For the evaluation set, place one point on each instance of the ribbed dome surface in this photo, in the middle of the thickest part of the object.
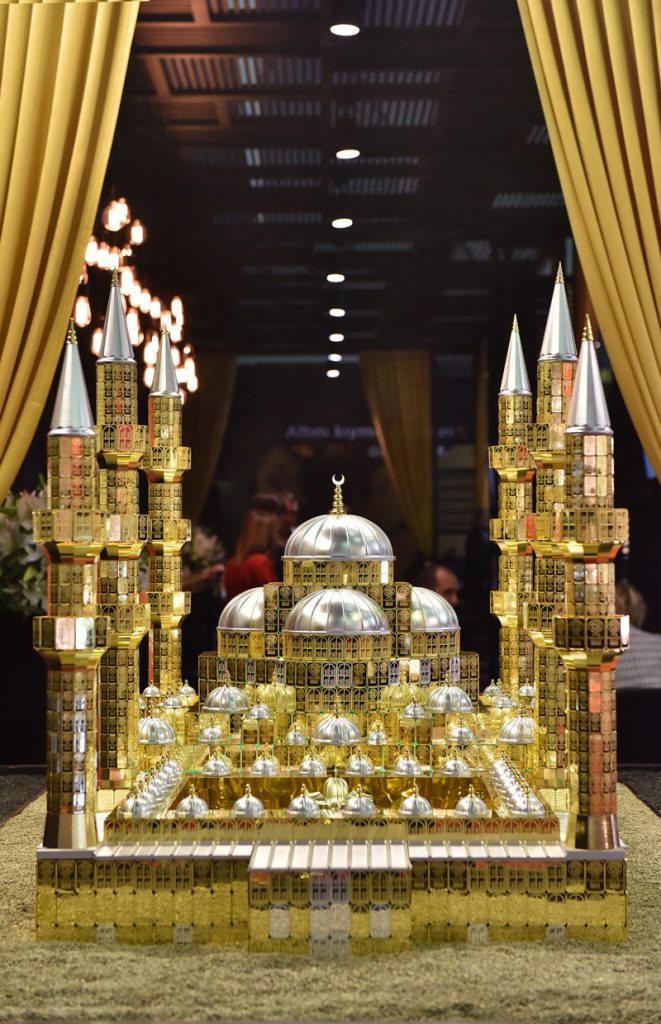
(244, 612)
(431, 613)
(342, 611)
(343, 538)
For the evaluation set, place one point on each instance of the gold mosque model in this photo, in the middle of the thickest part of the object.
(338, 784)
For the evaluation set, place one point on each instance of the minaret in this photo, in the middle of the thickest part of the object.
(512, 530)
(165, 464)
(590, 636)
(121, 446)
(546, 442)
(71, 637)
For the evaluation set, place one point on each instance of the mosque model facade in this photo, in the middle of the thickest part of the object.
(337, 783)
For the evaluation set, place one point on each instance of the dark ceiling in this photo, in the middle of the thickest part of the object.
(232, 113)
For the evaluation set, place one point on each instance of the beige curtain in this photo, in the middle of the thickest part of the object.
(205, 422)
(398, 390)
(62, 69)
(596, 63)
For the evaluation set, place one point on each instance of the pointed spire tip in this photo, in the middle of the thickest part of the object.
(515, 324)
(72, 338)
(559, 277)
(114, 283)
(558, 343)
(515, 379)
(587, 329)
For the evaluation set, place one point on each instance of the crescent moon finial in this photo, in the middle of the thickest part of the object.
(338, 480)
(338, 503)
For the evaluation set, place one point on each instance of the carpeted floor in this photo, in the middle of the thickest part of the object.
(533, 983)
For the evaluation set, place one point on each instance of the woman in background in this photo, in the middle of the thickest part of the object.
(253, 562)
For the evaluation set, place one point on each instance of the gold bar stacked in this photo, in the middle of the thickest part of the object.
(590, 636)
(71, 637)
(546, 442)
(513, 529)
(165, 464)
(122, 442)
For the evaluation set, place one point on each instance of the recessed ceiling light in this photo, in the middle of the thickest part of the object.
(335, 278)
(336, 311)
(334, 357)
(342, 222)
(336, 337)
(347, 154)
(345, 30)
(332, 373)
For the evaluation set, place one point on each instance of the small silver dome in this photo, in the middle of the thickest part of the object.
(415, 712)
(265, 765)
(312, 765)
(192, 806)
(143, 807)
(336, 791)
(431, 613)
(296, 738)
(377, 737)
(337, 730)
(461, 735)
(456, 767)
(155, 731)
(337, 611)
(472, 806)
(125, 809)
(210, 735)
(360, 764)
(171, 702)
(226, 699)
(244, 612)
(258, 713)
(303, 806)
(490, 693)
(248, 806)
(526, 805)
(406, 764)
(151, 692)
(415, 806)
(446, 698)
(527, 690)
(502, 701)
(359, 804)
(217, 766)
(520, 729)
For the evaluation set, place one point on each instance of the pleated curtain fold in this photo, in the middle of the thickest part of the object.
(62, 71)
(398, 390)
(596, 63)
(204, 428)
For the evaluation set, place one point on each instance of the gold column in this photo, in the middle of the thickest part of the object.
(512, 530)
(121, 446)
(165, 464)
(590, 636)
(71, 637)
(546, 442)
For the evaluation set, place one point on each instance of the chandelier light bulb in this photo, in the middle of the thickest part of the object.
(166, 321)
(133, 325)
(187, 350)
(103, 256)
(145, 301)
(176, 355)
(334, 357)
(337, 311)
(335, 278)
(342, 222)
(345, 29)
(135, 295)
(182, 376)
(113, 259)
(148, 375)
(192, 384)
(137, 233)
(182, 395)
(155, 308)
(350, 153)
(332, 373)
(177, 308)
(82, 312)
(151, 350)
(91, 251)
(175, 331)
(97, 338)
(126, 281)
(189, 366)
(336, 337)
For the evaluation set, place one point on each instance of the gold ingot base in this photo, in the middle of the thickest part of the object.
(70, 831)
(592, 832)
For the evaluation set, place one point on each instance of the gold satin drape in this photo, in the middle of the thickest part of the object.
(398, 390)
(205, 423)
(596, 63)
(62, 70)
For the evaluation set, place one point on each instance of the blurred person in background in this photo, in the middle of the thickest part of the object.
(254, 561)
(442, 580)
(640, 665)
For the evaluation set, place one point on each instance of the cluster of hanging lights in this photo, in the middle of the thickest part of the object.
(146, 313)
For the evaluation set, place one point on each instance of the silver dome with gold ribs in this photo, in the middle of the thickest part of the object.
(431, 613)
(244, 612)
(339, 536)
(342, 611)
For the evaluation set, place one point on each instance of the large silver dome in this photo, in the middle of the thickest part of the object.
(431, 613)
(340, 611)
(342, 538)
(244, 612)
